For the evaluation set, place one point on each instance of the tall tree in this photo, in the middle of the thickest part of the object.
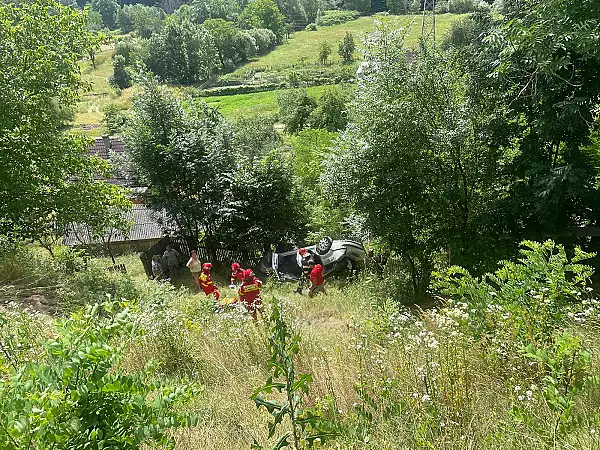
(108, 10)
(184, 156)
(46, 178)
(264, 14)
(182, 53)
(546, 55)
(217, 195)
(413, 160)
(233, 45)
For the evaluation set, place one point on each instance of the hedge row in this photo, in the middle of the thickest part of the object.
(336, 17)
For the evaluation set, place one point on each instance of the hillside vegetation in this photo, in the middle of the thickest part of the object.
(302, 49)
(299, 52)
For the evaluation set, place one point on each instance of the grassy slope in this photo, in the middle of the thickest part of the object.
(346, 338)
(303, 47)
(90, 108)
(263, 103)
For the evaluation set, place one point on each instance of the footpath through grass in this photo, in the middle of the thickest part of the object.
(90, 109)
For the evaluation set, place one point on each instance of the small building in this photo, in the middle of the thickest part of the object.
(147, 226)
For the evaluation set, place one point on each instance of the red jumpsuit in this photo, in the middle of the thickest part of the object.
(206, 283)
(237, 275)
(250, 294)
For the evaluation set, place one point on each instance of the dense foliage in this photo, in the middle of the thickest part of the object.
(185, 155)
(46, 178)
(489, 136)
(78, 395)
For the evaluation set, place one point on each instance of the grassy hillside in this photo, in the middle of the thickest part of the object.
(299, 52)
(387, 377)
(89, 112)
(262, 103)
(302, 49)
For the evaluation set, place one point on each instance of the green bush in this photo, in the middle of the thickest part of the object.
(121, 78)
(525, 302)
(336, 17)
(295, 108)
(94, 282)
(239, 89)
(79, 397)
(311, 27)
(466, 6)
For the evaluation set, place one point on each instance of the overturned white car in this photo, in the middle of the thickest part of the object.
(336, 257)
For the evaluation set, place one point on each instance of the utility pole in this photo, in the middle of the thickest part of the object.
(428, 23)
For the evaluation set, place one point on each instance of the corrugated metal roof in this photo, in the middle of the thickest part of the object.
(147, 225)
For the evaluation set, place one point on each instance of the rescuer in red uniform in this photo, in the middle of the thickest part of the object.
(316, 279)
(250, 293)
(237, 274)
(206, 281)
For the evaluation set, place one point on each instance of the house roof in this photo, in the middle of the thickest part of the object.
(146, 225)
(107, 147)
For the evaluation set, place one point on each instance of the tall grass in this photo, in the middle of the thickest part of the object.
(389, 377)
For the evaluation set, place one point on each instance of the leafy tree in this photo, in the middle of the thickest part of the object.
(542, 94)
(255, 137)
(216, 195)
(232, 44)
(94, 21)
(114, 118)
(184, 156)
(182, 53)
(46, 178)
(120, 78)
(202, 10)
(261, 185)
(147, 20)
(295, 108)
(362, 6)
(264, 39)
(95, 26)
(398, 6)
(108, 10)
(312, 9)
(347, 47)
(331, 112)
(130, 49)
(324, 52)
(413, 162)
(263, 14)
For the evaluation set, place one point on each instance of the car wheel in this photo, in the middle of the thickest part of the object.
(324, 245)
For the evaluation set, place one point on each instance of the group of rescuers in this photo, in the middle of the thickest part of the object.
(247, 283)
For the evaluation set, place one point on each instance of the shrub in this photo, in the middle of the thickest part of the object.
(330, 113)
(94, 282)
(240, 89)
(264, 38)
(523, 302)
(120, 78)
(295, 108)
(130, 49)
(114, 118)
(79, 396)
(336, 17)
(324, 52)
(311, 27)
(347, 47)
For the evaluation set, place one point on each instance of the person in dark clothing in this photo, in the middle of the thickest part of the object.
(303, 258)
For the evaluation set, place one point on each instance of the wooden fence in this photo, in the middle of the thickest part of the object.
(183, 246)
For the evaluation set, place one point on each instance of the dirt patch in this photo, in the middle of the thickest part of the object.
(39, 302)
